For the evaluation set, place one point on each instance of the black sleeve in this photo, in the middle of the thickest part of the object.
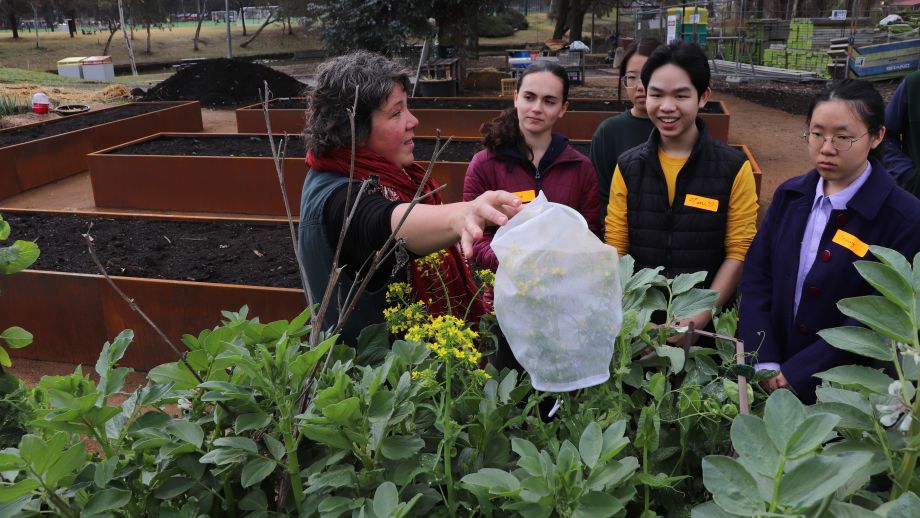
(368, 231)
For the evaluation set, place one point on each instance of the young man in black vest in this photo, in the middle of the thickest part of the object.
(683, 200)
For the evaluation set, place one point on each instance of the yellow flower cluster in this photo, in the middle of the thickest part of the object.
(431, 262)
(399, 291)
(447, 335)
(402, 318)
(486, 277)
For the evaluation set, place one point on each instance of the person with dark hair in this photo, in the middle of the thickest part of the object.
(384, 129)
(524, 156)
(628, 129)
(801, 261)
(683, 200)
(902, 136)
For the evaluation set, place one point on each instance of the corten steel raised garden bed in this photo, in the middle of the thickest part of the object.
(463, 116)
(196, 172)
(36, 154)
(71, 314)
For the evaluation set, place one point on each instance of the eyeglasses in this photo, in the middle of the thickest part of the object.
(631, 81)
(840, 142)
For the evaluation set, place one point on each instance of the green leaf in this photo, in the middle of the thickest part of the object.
(239, 443)
(274, 446)
(851, 417)
(595, 504)
(648, 428)
(812, 433)
(710, 510)
(612, 474)
(251, 421)
(176, 373)
(782, 415)
(106, 500)
(692, 302)
(306, 361)
(906, 506)
(255, 500)
(386, 500)
(888, 282)
(16, 337)
(683, 282)
(871, 379)
(335, 505)
(337, 476)
(65, 464)
(858, 340)
(751, 440)
(507, 386)
(732, 487)
(105, 470)
(657, 385)
(845, 510)
(18, 256)
(5, 358)
(495, 480)
(893, 259)
(398, 447)
(591, 444)
(17, 490)
(187, 431)
(658, 481)
(326, 435)
(173, 487)
(675, 355)
(614, 440)
(812, 480)
(256, 469)
(344, 411)
(880, 314)
(4, 230)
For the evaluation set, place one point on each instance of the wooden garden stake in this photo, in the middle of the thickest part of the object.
(744, 406)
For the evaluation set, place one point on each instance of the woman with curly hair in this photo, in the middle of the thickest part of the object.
(384, 129)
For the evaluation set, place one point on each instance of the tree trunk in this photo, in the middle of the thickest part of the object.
(201, 7)
(243, 19)
(562, 18)
(131, 29)
(73, 16)
(14, 23)
(121, 16)
(258, 31)
(290, 28)
(35, 20)
(148, 51)
(108, 42)
(578, 9)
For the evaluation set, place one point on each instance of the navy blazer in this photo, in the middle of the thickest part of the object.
(880, 213)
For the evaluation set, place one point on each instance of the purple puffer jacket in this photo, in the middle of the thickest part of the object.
(566, 177)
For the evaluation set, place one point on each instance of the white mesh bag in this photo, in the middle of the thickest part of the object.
(557, 296)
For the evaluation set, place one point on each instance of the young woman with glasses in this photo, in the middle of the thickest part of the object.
(628, 129)
(801, 261)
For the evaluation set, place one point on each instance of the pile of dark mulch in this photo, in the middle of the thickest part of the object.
(794, 98)
(203, 251)
(224, 82)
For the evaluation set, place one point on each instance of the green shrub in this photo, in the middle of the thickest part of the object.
(515, 18)
(494, 26)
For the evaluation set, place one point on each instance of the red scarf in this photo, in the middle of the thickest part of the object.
(402, 184)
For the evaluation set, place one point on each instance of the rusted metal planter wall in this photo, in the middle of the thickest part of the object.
(72, 315)
(577, 125)
(41, 161)
(250, 119)
(247, 185)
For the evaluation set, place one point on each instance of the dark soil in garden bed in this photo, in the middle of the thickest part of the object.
(224, 82)
(215, 252)
(257, 146)
(794, 98)
(246, 146)
(30, 132)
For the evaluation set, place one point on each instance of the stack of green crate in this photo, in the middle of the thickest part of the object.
(801, 33)
(798, 59)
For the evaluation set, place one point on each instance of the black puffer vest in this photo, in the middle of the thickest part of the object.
(681, 238)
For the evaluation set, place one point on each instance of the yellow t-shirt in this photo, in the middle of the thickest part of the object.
(742, 208)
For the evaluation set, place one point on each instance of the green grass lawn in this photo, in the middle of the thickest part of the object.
(18, 75)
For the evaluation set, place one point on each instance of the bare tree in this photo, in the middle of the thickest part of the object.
(202, 5)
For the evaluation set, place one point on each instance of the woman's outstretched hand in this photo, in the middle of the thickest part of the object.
(489, 208)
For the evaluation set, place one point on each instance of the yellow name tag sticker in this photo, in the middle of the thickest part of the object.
(700, 202)
(851, 243)
(526, 196)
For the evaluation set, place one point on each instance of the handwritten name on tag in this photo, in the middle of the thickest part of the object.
(700, 202)
(851, 243)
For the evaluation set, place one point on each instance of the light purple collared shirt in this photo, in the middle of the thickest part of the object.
(817, 221)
